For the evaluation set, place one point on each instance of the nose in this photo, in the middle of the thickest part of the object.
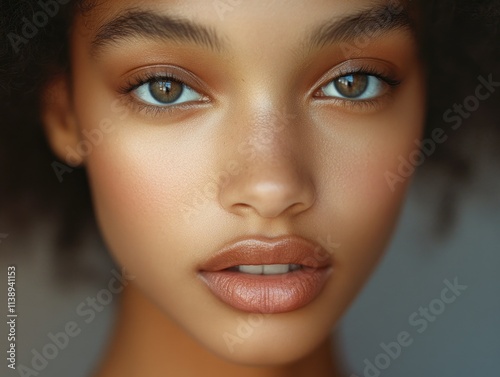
(272, 179)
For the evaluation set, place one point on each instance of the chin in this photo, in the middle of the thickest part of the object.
(274, 345)
(254, 339)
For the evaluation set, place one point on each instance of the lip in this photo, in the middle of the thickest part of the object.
(267, 294)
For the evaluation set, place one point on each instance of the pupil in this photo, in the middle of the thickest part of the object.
(165, 91)
(352, 86)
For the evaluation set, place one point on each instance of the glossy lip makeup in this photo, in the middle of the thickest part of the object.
(270, 276)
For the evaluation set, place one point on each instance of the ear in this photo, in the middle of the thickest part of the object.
(59, 121)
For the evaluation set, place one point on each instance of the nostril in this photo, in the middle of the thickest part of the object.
(269, 191)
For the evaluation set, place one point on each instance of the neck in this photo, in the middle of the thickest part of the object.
(145, 342)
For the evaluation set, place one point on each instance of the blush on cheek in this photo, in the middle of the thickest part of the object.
(131, 193)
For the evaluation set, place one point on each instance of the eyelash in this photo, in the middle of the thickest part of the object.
(387, 78)
(149, 77)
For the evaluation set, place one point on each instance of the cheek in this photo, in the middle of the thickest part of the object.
(139, 181)
(364, 190)
(141, 175)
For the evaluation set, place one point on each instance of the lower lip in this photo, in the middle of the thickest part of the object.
(267, 294)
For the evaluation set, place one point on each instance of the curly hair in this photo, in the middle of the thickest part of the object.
(460, 41)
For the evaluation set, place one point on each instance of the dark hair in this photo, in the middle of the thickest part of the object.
(460, 41)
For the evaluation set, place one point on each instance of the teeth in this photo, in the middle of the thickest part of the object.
(268, 269)
(275, 269)
(251, 269)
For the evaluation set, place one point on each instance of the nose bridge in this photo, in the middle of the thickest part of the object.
(270, 136)
(272, 178)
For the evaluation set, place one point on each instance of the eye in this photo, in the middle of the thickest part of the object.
(355, 86)
(165, 92)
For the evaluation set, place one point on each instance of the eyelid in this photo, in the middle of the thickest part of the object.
(133, 79)
(374, 67)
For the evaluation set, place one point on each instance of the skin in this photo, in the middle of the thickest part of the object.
(315, 168)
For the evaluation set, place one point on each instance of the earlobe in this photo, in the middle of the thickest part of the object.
(59, 121)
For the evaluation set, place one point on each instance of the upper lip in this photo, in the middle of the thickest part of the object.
(289, 249)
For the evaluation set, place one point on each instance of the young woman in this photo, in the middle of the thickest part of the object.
(246, 160)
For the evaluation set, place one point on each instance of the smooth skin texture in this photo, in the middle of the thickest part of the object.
(262, 145)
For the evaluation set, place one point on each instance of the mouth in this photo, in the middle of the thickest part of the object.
(266, 269)
(269, 276)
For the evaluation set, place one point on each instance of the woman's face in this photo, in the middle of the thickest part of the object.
(201, 123)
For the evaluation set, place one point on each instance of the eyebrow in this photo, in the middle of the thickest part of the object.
(135, 23)
(370, 22)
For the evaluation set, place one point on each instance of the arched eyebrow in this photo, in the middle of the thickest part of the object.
(134, 23)
(370, 22)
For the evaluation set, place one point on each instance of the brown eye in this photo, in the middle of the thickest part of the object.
(352, 86)
(356, 86)
(166, 92)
